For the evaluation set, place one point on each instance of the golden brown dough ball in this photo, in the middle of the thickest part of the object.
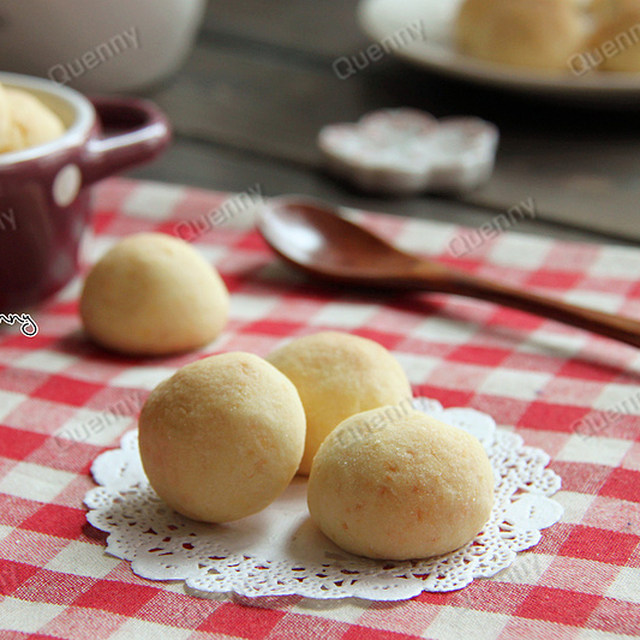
(615, 43)
(607, 9)
(223, 437)
(339, 374)
(153, 294)
(400, 486)
(538, 34)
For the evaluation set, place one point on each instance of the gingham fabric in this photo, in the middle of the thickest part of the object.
(574, 394)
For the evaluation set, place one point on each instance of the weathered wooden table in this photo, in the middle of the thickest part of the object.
(249, 101)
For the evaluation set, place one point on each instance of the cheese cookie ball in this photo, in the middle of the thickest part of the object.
(614, 44)
(153, 294)
(5, 121)
(222, 438)
(539, 34)
(607, 9)
(399, 486)
(338, 375)
(25, 121)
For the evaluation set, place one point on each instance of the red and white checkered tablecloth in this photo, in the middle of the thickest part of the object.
(573, 394)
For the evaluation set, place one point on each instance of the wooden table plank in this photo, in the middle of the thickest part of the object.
(266, 105)
(206, 166)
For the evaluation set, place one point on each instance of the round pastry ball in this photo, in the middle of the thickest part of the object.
(608, 9)
(153, 294)
(400, 485)
(6, 122)
(33, 123)
(615, 43)
(223, 437)
(338, 375)
(540, 34)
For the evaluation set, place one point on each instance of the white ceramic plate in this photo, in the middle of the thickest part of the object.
(420, 31)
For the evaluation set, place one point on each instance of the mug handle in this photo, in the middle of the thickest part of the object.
(146, 133)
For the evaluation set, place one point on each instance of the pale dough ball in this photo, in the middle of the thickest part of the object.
(615, 43)
(394, 485)
(5, 121)
(223, 437)
(32, 123)
(540, 34)
(337, 375)
(153, 294)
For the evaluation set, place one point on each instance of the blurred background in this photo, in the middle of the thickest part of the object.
(248, 86)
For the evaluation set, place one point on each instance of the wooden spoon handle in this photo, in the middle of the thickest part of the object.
(607, 324)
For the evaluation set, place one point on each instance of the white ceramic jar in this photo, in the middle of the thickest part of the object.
(98, 45)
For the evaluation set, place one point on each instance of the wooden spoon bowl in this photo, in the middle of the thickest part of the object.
(311, 236)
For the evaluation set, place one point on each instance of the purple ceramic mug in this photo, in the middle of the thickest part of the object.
(44, 195)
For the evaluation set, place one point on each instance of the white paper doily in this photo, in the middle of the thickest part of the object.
(279, 551)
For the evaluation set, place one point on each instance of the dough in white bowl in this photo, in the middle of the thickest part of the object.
(615, 43)
(25, 121)
(223, 437)
(337, 375)
(400, 486)
(153, 294)
(5, 120)
(538, 34)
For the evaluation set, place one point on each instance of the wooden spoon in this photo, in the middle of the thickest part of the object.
(311, 236)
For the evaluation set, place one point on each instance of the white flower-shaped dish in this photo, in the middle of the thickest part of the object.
(279, 551)
(405, 151)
